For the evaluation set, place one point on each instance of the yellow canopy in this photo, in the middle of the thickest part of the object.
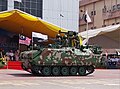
(22, 23)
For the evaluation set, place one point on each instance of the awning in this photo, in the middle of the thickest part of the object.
(112, 31)
(22, 23)
(107, 37)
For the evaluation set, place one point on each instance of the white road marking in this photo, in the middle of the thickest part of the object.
(18, 83)
(64, 85)
(67, 83)
(112, 84)
(88, 82)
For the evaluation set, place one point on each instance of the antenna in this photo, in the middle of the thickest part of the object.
(60, 13)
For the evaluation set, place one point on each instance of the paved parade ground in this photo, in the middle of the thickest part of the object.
(100, 79)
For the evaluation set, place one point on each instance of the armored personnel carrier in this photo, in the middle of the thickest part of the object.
(65, 57)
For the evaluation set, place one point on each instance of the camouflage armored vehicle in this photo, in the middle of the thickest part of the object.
(65, 57)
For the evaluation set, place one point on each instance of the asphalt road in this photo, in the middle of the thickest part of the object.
(100, 79)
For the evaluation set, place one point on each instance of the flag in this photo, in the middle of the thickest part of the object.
(87, 18)
(18, 0)
(39, 35)
(61, 15)
(24, 40)
(118, 53)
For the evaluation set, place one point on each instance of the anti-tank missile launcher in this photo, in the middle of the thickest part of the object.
(65, 57)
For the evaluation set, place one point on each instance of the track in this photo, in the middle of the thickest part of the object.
(62, 70)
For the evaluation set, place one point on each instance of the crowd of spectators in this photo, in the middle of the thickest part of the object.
(10, 55)
(113, 61)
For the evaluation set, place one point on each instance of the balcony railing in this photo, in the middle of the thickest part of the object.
(85, 2)
(111, 14)
(114, 12)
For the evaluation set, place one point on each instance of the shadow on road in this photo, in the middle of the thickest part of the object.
(31, 75)
(22, 75)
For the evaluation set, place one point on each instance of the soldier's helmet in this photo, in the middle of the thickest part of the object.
(65, 37)
(75, 33)
(58, 36)
(50, 45)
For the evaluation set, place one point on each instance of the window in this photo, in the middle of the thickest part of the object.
(39, 6)
(0, 8)
(113, 23)
(117, 22)
(27, 4)
(4, 2)
(104, 10)
(103, 25)
(95, 27)
(30, 6)
(94, 12)
(0, 2)
(39, 0)
(4, 8)
(114, 8)
(118, 6)
(34, 0)
(33, 5)
(33, 12)
(21, 8)
(39, 13)
(91, 27)
(27, 11)
(22, 5)
(16, 4)
(3, 5)
(28, 0)
(16, 8)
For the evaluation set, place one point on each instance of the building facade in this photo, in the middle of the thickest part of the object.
(3, 5)
(102, 13)
(63, 13)
(33, 7)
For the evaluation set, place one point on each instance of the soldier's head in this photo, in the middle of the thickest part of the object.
(50, 45)
(74, 33)
(65, 37)
(58, 36)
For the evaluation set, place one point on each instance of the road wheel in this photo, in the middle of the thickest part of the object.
(65, 71)
(56, 71)
(73, 70)
(46, 71)
(82, 71)
(90, 69)
(35, 70)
